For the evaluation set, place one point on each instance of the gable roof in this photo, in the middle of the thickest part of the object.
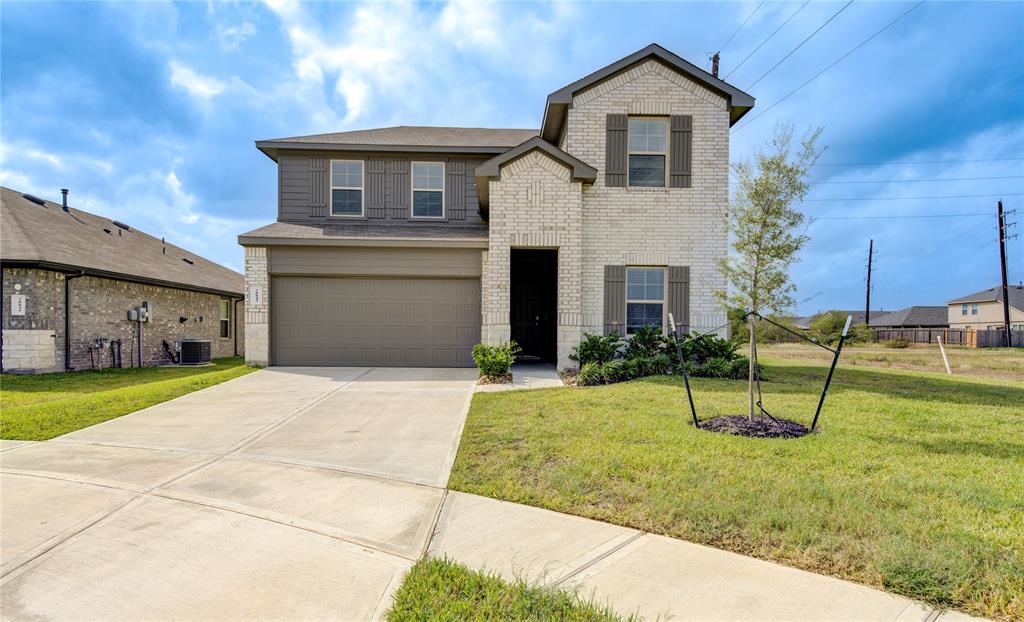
(581, 171)
(558, 102)
(914, 316)
(995, 294)
(406, 138)
(49, 237)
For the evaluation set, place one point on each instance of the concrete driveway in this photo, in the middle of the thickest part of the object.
(290, 493)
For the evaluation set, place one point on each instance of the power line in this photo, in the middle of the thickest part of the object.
(917, 162)
(944, 196)
(834, 15)
(906, 181)
(775, 32)
(722, 47)
(833, 64)
(969, 214)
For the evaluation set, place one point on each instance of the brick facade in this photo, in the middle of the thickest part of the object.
(99, 310)
(257, 315)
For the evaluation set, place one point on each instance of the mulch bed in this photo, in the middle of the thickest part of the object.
(506, 379)
(568, 378)
(740, 425)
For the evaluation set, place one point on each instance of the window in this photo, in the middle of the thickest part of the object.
(963, 309)
(974, 309)
(648, 138)
(428, 189)
(346, 188)
(225, 319)
(645, 298)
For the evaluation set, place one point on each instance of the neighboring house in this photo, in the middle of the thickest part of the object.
(912, 317)
(984, 310)
(55, 258)
(407, 245)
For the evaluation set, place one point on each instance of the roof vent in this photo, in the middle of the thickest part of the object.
(121, 225)
(35, 199)
(108, 231)
(64, 198)
(188, 261)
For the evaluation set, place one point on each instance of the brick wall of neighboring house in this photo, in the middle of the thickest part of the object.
(534, 204)
(257, 316)
(99, 310)
(654, 226)
(34, 341)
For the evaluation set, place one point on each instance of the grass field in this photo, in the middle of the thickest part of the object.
(441, 590)
(913, 483)
(37, 408)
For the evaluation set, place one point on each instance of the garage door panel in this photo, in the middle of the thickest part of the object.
(375, 321)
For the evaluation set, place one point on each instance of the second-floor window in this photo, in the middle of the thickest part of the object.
(346, 188)
(963, 309)
(648, 140)
(974, 309)
(428, 189)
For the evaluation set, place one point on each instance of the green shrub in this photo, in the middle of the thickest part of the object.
(828, 326)
(659, 364)
(631, 369)
(898, 342)
(495, 361)
(590, 374)
(739, 368)
(646, 341)
(597, 349)
(615, 371)
(717, 367)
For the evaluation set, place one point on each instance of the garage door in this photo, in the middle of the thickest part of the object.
(431, 322)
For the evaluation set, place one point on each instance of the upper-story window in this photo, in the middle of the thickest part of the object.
(645, 298)
(974, 309)
(346, 188)
(963, 309)
(648, 141)
(428, 189)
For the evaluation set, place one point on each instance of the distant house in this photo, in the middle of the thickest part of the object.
(984, 310)
(70, 279)
(913, 317)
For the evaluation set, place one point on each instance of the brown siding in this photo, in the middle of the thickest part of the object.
(399, 189)
(374, 261)
(615, 300)
(455, 190)
(294, 200)
(376, 195)
(681, 152)
(616, 151)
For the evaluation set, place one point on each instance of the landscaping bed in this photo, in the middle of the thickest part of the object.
(911, 484)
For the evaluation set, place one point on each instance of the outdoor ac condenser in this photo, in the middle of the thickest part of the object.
(193, 351)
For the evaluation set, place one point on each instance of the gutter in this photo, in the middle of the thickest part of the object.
(116, 276)
(67, 317)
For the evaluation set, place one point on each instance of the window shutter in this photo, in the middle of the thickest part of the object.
(399, 188)
(679, 296)
(455, 190)
(616, 154)
(681, 152)
(319, 187)
(375, 190)
(615, 300)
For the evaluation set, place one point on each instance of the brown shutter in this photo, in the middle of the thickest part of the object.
(615, 300)
(616, 155)
(679, 296)
(681, 152)
(455, 190)
(319, 187)
(375, 190)
(398, 188)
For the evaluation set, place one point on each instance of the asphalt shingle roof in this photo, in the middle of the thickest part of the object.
(915, 316)
(46, 234)
(995, 294)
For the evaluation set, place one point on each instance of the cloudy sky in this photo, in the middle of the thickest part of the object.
(148, 112)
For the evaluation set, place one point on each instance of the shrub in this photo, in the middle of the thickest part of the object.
(705, 347)
(645, 342)
(717, 367)
(659, 364)
(898, 342)
(739, 368)
(590, 374)
(597, 349)
(615, 371)
(495, 361)
(828, 326)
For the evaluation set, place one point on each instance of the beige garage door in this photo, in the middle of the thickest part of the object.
(374, 321)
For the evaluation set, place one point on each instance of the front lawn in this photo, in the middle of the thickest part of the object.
(41, 407)
(437, 589)
(914, 483)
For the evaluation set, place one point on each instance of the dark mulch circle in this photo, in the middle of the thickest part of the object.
(742, 426)
(503, 379)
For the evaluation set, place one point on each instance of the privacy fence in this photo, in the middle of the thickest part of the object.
(952, 336)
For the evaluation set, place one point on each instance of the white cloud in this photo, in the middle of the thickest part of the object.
(203, 87)
(233, 36)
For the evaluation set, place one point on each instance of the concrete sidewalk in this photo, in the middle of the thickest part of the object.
(527, 376)
(652, 576)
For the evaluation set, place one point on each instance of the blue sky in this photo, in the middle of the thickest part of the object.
(148, 111)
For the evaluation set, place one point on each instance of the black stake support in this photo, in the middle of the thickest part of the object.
(686, 374)
(831, 370)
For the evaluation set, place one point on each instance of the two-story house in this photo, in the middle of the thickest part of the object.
(405, 246)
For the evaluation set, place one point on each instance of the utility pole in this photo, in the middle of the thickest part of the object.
(867, 297)
(1002, 266)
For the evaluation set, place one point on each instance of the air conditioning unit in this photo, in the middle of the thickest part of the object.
(193, 351)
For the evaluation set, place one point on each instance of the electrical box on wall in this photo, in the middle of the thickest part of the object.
(144, 312)
(133, 315)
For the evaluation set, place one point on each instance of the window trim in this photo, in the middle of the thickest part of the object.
(974, 308)
(362, 190)
(663, 302)
(665, 153)
(963, 309)
(412, 190)
(224, 304)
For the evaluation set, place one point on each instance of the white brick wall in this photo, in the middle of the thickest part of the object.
(257, 316)
(30, 350)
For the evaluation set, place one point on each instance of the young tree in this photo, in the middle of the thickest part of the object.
(764, 226)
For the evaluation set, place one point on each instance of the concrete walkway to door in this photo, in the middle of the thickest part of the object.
(287, 494)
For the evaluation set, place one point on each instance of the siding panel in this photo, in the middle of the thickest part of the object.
(399, 189)
(455, 190)
(376, 182)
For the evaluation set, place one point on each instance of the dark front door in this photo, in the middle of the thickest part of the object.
(534, 302)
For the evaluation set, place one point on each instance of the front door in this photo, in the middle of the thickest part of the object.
(533, 302)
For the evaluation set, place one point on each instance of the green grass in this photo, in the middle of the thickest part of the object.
(914, 483)
(37, 408)
(441, 590)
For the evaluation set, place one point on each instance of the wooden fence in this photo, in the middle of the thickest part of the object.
(952, 336)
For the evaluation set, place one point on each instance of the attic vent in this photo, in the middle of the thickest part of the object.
(34, 199)
(187, 260)
(121, 225)
(107, 230)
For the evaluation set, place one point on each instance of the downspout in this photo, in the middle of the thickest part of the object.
(67, 318)
(3, 297)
